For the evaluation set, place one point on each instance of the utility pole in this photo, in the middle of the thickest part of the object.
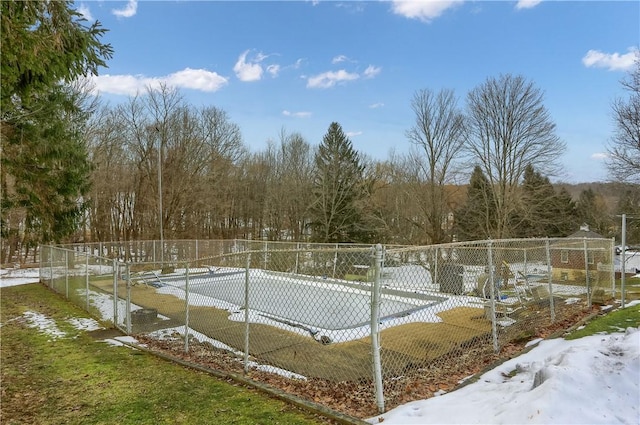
(156, 132)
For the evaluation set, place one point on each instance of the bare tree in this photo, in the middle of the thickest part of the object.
(194, 152)
(510, 129)
(395, 203)
(438, 137)
(624, 149)
(292, 192)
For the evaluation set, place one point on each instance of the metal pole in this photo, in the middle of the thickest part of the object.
(375, 330)
(551, 303)
(86, 274)
(265, 249)
(127, 277)
(246, 314)
(335, 262)
(492, 302)
(186, 317)
(115, 293)
(297, 257)
(66, 273)
(160, 196)
(586, 271)
(612, 272)
(435, 268)
(623, 259)
(51, 267)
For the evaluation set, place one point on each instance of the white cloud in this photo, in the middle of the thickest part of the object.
(376, 105)
(372, 71)
(195, 79)
(248, 71)
(330, 79)
(128, 11)
(296, 114)
(353, 133)
(527, 4)
(83, 9)
(273, 70)
(599, 155)
(424, 11)
(611, 61)
(251, 69)
(339, 58)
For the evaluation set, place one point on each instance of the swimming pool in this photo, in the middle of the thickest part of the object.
(311, 302)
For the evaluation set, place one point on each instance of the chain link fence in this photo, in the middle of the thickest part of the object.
(367, 320)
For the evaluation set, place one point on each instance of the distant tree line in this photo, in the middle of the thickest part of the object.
(157, 165)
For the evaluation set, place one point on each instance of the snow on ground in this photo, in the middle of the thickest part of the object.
(12, 277)
(591, 380)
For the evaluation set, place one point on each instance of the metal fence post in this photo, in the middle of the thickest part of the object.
(335, 262)
(612, 273)
(297, 257)
(551, 302)
(435, 267)
(246, 314)
(51, 251)
(492, 294)
(623, 258)
(375, 329)
(66, 273)
(586, 270)
(186, 317)
(86, 274)
(115, 293)
(127, 313)
(265, 249)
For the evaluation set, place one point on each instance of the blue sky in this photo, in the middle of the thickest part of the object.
(300, 65)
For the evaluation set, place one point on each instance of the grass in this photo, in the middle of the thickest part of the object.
(631, 287)
(615, 321)
(77, 379)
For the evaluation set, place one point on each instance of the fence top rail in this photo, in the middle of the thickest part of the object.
(238, 241)
(599, 244)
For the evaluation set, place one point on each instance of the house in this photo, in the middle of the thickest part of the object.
(570, 262)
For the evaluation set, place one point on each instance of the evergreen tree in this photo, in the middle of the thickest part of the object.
(338, 188)
(593, 211)
(476, 219)
(566, 217)
(45, 169)
(543, 212)
(43, 43)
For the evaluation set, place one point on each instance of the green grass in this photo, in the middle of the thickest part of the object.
(631, 288)
(80, 380)
(615, 321)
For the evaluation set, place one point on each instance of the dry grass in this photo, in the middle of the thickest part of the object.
(302, 354)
